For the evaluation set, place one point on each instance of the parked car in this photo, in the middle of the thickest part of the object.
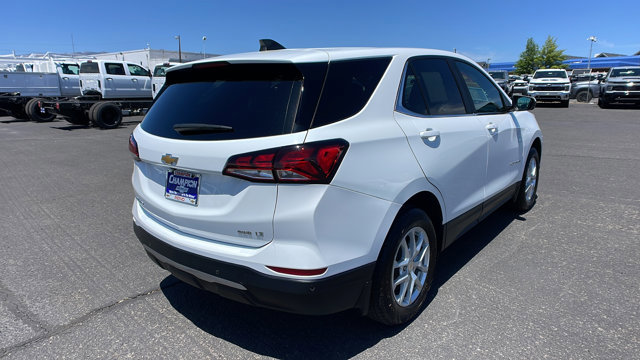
(504, 81)
(621, 85)
(336, 197)
(550, 85)
(584, 91)
(112, 79)
(520, 86)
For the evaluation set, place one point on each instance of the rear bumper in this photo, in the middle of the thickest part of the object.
(346, 290)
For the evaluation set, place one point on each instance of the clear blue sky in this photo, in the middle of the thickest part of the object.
(479, 29)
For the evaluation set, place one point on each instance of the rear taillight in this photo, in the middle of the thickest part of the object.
(315, 162)
(133, 148)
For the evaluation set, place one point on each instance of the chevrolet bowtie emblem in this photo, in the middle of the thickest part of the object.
(169, 160)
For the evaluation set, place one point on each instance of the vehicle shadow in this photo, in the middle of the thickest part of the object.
(288, 336)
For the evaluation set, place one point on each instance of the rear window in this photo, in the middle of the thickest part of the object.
(258, 100)
(160, 70)
(89, 68)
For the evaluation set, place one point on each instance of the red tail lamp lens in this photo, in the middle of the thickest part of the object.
(133, 147)
(315, 162)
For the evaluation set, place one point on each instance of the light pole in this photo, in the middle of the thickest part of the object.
(204, 39)
(489, 59)
(592, 39)
(177, 37)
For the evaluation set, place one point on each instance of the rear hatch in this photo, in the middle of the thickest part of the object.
(90, 77)
(204, 115)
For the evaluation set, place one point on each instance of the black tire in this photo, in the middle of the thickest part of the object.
(35, 113)
(603, 104)
(384, 307)
(106, 115)
(583, 96)
(564, 103)
(524, 200)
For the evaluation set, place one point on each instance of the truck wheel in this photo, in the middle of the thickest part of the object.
(583, 96)
(35, 113)
(106, 115)
(603, 104)
(405, 269)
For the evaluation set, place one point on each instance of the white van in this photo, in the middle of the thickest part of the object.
(112, 79)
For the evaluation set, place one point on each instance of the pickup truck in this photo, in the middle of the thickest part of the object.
(621, 85)
(159, 77)
(550, 85)
(110, 89)
(20, 91)
(502, 78)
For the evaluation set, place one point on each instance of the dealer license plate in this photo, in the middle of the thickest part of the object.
(182, 186)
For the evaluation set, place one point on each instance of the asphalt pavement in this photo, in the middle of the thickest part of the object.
(560, 282)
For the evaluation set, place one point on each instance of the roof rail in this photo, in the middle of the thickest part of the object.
(268, 44)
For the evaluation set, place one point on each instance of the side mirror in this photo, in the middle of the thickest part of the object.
(523, 103)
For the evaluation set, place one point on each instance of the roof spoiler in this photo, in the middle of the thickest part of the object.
(268, 44)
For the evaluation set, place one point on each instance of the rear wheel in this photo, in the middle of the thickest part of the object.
(583, 96)
(528, 192)
(405, 270)
(106, 115)
(35, 113)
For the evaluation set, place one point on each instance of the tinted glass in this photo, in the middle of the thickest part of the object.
(114, 69)
(256, 100)
(439, 87)
(497, 74)
(486, 97)
(89, 68)
(412, 97)
(348, 87)
(136, 70)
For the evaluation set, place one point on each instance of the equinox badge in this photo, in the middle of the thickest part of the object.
(169, 160)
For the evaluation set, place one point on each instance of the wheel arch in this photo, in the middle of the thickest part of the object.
(429, 203)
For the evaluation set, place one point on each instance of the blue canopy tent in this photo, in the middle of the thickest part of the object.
(596, 63)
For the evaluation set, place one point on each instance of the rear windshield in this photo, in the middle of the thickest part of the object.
(550, 74)
(258, 100)
(497, 74)
(89, 68)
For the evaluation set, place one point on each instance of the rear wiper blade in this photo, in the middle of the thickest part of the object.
(197, 129)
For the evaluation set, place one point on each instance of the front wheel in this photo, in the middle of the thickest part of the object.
(405, 270)
(528, 192)
(603, 104)
(583, 96)
(564, 103)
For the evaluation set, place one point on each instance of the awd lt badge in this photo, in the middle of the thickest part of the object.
(167, 159)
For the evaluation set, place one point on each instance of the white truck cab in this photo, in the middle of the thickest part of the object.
(159, 77)
(550, 85)
(112, 79)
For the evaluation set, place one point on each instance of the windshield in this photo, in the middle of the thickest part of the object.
(625, 72)
(160, 70)
(550, 74)
(497, 74)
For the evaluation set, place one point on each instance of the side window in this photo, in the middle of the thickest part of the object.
(486, 97)
(136, 70)
(114, 69)
(412, 98)
(439, 87)
(70, 69)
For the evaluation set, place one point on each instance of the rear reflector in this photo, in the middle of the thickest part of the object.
(315, 162)
(299, 272)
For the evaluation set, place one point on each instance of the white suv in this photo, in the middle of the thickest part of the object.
(318, 180)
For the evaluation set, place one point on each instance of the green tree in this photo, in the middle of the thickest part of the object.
(550, 57)
(528, 61)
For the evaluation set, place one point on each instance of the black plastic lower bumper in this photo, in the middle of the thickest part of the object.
(621, 97)
(347, 290)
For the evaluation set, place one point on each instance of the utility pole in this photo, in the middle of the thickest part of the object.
(204, 39)
(592, 39)
(177, 37)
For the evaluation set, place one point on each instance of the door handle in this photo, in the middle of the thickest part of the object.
(430, 134)
(134, 80)
(109, 79)
(65, 78)
(493, 129)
